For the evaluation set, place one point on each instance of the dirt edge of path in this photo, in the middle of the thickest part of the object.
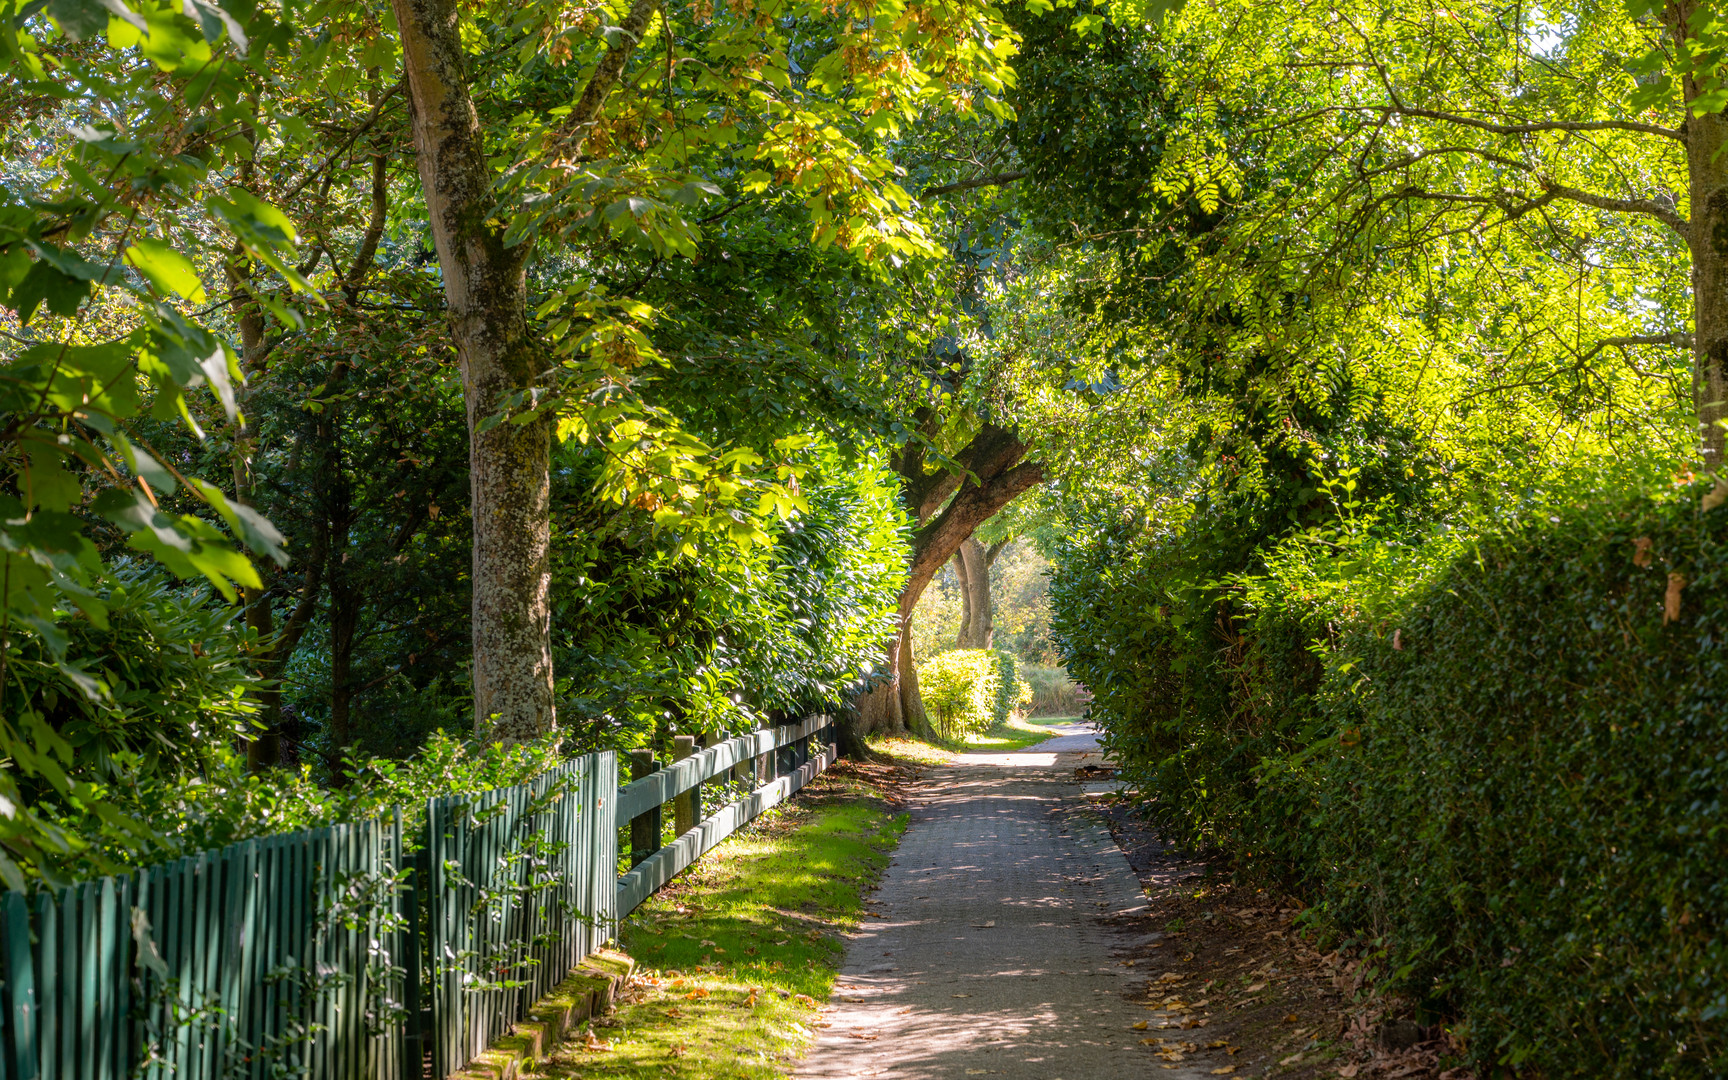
(1243, 980)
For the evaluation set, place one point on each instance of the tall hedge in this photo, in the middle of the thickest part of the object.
(1500, 774)
(1532, 800)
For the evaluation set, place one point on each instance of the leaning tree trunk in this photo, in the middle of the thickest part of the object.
(485, 287)
(894, 703)
(1707, 168)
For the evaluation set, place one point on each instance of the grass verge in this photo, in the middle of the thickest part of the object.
(1014, 735)
(736, 956)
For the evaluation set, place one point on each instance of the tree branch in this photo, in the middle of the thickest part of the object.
(1531, 128)
(1662, 212)
(342, 147)
(1678, 340)
(612, 64)
(976, 182)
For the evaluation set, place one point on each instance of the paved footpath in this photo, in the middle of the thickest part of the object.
(991, 950)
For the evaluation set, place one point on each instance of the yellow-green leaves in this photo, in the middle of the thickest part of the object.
(166, 269)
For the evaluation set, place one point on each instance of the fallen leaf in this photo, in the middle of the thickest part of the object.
(1217, 1044)
(1291, 1018)
(860, 1035)
(959, 995)
(1292, 1059)
(1349, 1071)
(699, 992)
(1256, 988)
(984, 925)
(676, 1051)
(1153, 1041)
(1224, 1070)
(1140, 1025)
(705, 941)
(595, 1046)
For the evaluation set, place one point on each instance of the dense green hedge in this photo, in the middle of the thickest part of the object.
(1500, 774)
(1536, 789)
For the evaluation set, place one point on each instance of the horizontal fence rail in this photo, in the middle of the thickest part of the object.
(385, 950)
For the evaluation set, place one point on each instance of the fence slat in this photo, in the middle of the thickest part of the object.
(21, 1003)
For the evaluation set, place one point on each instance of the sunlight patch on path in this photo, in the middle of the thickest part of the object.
(988, 952)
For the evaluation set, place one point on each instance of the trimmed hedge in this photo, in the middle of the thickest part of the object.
(1531, 797)
(1499, 775)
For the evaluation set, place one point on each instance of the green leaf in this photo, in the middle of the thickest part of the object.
(79, 20)
(46, 285)
(147, 467)
(166, 269)
(251, 526)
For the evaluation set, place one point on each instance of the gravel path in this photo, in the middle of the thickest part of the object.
(989, 952)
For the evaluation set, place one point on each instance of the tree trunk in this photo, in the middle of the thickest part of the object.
(912, 712)
(485, 286)
(1707, 167)
(965, 584)
(978, 631)
(996, 477)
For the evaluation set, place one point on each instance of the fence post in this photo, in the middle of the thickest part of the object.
(763, 765)
(686, 807)
(644, 827)
(786, 759)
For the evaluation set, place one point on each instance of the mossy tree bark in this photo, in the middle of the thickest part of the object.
(1707, 242)
(485, 287)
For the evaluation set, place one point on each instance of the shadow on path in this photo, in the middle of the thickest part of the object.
(989, 950)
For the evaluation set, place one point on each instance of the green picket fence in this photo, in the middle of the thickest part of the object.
(373, 951)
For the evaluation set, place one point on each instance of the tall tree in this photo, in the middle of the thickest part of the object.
(592, 158)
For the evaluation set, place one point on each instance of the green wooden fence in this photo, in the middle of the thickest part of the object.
(373, 951)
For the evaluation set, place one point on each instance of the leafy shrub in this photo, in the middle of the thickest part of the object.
(155, 694)
(1053, 692)
(1495, 766)
(1013, 693)
(228, 804)
(645, 633)
(969, 690)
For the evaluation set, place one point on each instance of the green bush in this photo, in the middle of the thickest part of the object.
(970, 690)
(1495, 767)
(1053, 692)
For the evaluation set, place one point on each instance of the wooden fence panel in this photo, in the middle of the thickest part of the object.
(371, 951)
